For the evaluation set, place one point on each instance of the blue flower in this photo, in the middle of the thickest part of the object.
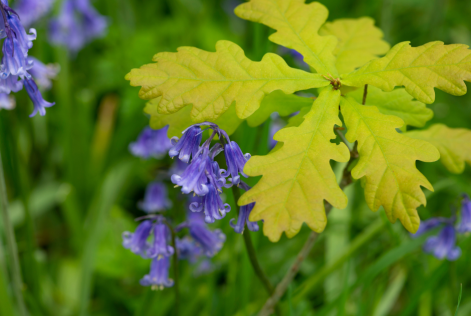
(188, 145)
(443, 245)
(43, 74)
(10, 83)
(210, 241)
(160, 245)
(14, 62)
(137, 241)
(465, 223)
(32, 10)
(188, 249)
(151, 143)
(430, 224)
(244, 214)
(194, 178)
(212, 205)
(235, 161)
(25, 40)
(39, 103)
(158, 276)
(7, 102)
(156, 198)
(77, 24)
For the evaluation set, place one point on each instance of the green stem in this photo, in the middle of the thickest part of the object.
(175, 269)
(17, 282)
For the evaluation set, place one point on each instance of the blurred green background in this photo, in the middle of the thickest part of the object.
(73, 186)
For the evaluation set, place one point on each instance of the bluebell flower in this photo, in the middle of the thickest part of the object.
(137, 241)
(25, 40)
(211, 242)
(297, 57)
(77, 24)
(151, 143)
(194, 178)
(14, 62)
(35, 95)
(465, 224)
(188, 145)
(158, 276)
(32, 10)
(160, 245)
(9, 84)
(156, 198)
(430, 224)
(7, 102)
(212, 205)
(235, 161)
(178, 167)
(43, 74)
(243, 219)
(443, 245)
(188, 249)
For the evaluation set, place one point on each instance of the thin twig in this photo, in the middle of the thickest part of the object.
(281, 288)
(17, 282)
(365, 92)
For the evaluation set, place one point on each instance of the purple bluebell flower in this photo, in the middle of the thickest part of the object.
(188, 145)
(194, 178)
(235, 161)
(43, 74)
(39, 103)
(178, 167)
(244, 214)
(14, 62)
(151, 143)
(443, 245)
(465, 224)
(188, 249)
(32, 10)
(430, 224)
(212, 205)
(9, 84)
(297, 57)
(137, 241)
(160, 245)
(156, 198)
(158, 276)
(210, 241)
(7, 102)
(25, 40)
(77, 24)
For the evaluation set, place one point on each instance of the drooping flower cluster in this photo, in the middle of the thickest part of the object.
(444, 245)
(17, 68)
(205, 178)
(78, 23)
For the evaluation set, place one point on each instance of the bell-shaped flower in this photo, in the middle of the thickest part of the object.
(32, 10)
(243, 219)
(194, 178)
(25, 40)
(430, 224)
(43, 74)
(235, 161)
(465, 224)
(188, 145)
(443, 245)
(35, 95)
(212, 205)
(160, 246)
(137, 241)
(10, 83)
(188, 249)
(158, 276)
(211, 242)
(14, 62)
(151, 143)
(156, 198)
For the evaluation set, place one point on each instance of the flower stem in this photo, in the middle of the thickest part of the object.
(252, 254)
(17, 282)
(175, 268)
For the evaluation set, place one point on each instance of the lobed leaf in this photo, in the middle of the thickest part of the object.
(418, 69)
(387, 162)
(359, 41)
(397, 102)
(297, 177)
(454, 145)
(179, 121)
(212, 81)
(277, 101)
(297, 25)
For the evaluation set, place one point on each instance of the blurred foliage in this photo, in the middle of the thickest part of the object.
(71, 174)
